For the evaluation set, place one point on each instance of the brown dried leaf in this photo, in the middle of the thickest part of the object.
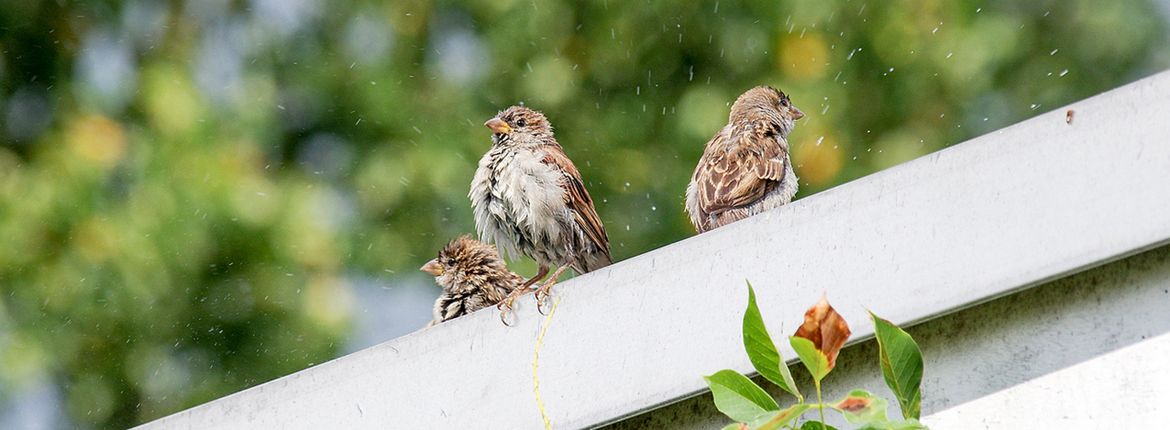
(825, 328)
(854, 404)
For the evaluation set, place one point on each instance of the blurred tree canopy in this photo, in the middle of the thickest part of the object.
(188, 188)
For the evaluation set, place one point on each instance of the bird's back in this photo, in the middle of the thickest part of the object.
(725, 187)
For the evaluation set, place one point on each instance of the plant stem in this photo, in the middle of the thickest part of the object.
(820, 405)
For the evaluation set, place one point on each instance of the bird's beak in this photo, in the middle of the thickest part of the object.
(498, 126)
(432, 267)
(796, 113)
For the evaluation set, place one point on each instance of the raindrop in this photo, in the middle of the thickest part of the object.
(819, 140)
(1063, 72)
(1054, 51)
(1034, 106)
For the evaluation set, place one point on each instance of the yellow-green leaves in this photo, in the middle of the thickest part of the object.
(901, 362)
(762, 351)
(862, 408)
(738, 397)
(778, 419)
(815, 361)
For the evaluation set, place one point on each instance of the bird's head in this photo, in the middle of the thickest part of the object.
(518, 125)
(465, 265)
(768, 105)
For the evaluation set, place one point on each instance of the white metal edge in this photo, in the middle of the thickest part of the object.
(981, 219)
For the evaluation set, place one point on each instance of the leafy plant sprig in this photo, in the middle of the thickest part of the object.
(817, 343)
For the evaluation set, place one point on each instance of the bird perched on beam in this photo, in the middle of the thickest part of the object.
(745, 168)
(473, 277)
(529, 199)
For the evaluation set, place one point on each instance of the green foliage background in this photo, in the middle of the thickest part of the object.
(190, 224)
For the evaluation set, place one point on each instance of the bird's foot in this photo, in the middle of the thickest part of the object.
(506, 306)
(545, 290)
(542, 295)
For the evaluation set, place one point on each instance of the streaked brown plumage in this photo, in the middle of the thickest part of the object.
(745, 168)
(473, 277)
(529, 199)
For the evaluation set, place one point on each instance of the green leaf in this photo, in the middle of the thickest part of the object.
(738, 397)
(901, 362)
(861, 407)
(816, 425)
(815, 361)
(762, 351)
(778, 419)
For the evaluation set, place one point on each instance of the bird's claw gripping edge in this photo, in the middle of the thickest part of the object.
(505, 306)
(542, 294)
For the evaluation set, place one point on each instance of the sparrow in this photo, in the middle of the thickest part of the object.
(473, 277)
(528, 198)
(745, 168)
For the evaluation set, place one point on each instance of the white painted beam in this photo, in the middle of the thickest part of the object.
(1124, 389)
(1032, 202)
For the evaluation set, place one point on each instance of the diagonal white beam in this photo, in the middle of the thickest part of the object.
(1002, 212)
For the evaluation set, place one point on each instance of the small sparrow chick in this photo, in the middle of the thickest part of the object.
(473, 277)
(528, 198)
(745, 168)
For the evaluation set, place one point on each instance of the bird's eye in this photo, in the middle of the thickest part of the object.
(521, 122)
(784, 102)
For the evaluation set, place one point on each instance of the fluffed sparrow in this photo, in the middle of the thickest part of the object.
(528, 198)
(473, 277)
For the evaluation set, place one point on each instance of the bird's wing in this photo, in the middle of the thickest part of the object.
(577, 198)
(736, 169)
